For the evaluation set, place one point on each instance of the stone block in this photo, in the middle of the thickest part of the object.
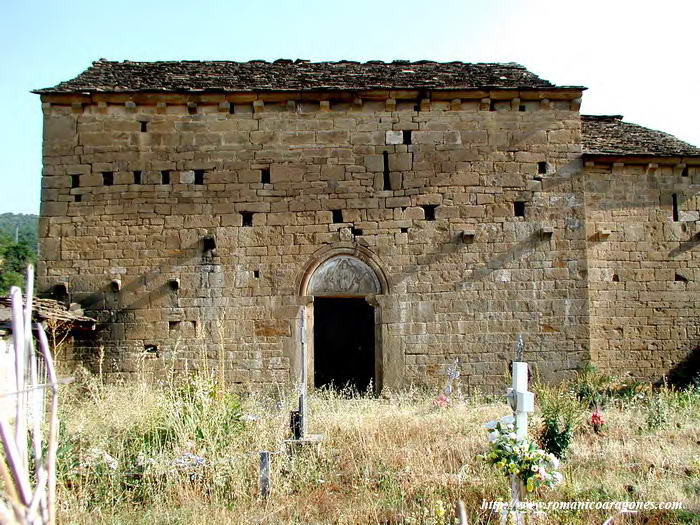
(374, 162)
(394, 137)
(400, 161)
(427, 137)
(285, 173)
(187, 177)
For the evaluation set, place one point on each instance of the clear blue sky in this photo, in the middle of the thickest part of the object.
(637, 58)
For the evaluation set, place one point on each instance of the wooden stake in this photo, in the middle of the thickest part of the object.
(53, 425)
(264, 474)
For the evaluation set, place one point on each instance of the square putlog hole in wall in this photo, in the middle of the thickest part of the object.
(429, 211)
(165, 177)
(144, 126)
(542, 168)
(107, 178)
(137, 176)
(247, 218)
(208, 244)
(265, 175)
(337, 216)
(75, 181)
(519, 208)
(199, 177)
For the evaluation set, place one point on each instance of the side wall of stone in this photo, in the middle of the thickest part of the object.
(124, 222)
(643, 267)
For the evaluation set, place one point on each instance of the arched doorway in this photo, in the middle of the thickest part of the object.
(344, 319)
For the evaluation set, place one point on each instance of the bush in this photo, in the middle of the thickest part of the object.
(656, 412)
(593, 388)
(561, 413)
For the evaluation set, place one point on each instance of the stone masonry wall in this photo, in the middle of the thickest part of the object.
(644, 300)
(131, 191)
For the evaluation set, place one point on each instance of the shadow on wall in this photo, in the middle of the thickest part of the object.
(112, 306)
(687, 371)
(685, 246)
(108, 299)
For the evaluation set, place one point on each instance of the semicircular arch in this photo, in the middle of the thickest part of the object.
(343, 272)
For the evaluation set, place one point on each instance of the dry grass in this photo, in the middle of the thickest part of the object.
(393, 460)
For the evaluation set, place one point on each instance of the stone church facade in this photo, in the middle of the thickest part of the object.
(411, 213)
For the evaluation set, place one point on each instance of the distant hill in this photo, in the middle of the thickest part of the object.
(21, 227)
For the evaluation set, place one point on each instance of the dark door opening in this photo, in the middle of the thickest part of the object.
(343, 343)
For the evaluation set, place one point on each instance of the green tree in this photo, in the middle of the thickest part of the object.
(14, 257)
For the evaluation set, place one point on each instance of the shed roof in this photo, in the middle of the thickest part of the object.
(609, 135)
(288, 75)
(47, 309)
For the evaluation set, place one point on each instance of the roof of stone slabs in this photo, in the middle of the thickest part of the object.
(298, 75)
(609, 135)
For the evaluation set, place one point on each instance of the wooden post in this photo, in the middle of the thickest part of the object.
(461, 513)
(264, 474)
(302, 384)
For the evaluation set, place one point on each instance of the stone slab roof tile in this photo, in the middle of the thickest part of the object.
(288, 75)
(609, 135)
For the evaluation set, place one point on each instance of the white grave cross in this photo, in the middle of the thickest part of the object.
(522, 402)
(520, 399)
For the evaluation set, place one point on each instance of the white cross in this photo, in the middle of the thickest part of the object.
(522, 402)
(520, 399)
